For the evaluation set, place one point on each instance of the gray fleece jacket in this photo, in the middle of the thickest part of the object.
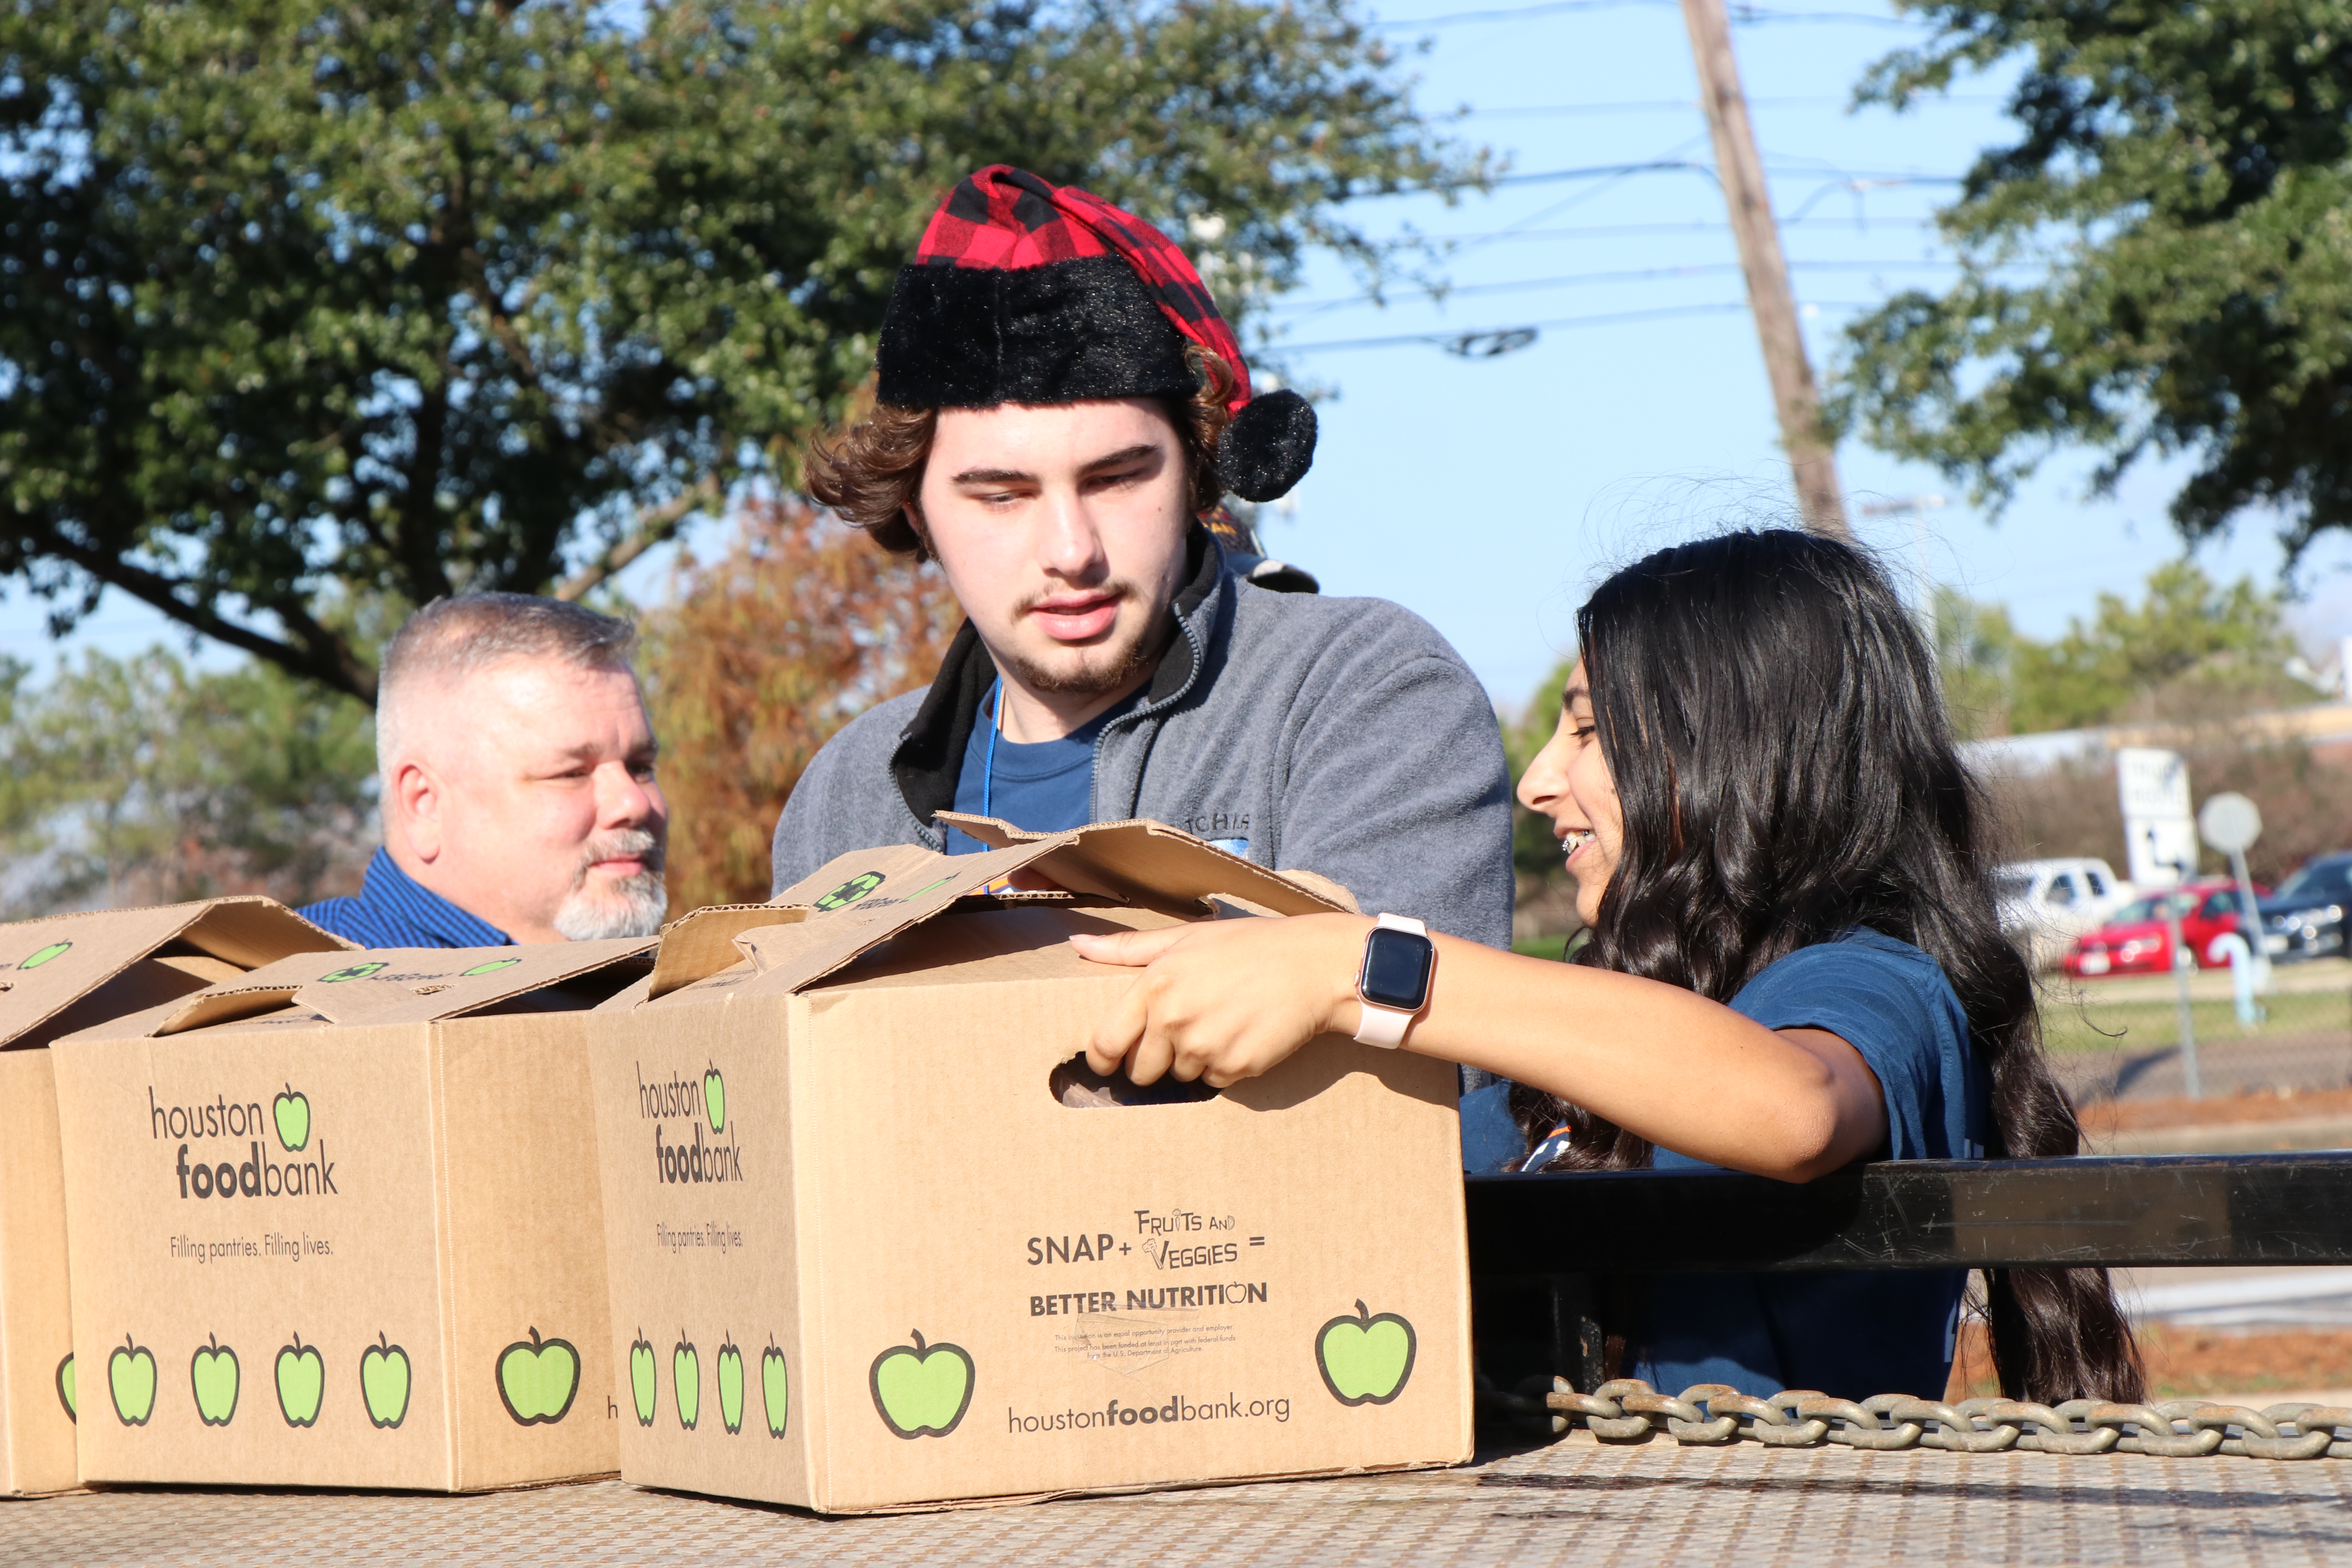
(1340, 736)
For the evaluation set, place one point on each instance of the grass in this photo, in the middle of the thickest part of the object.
(2096, 1024)
(2143, 1025)
(2196, 1363)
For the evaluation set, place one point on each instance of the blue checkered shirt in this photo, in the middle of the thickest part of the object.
(395, 911)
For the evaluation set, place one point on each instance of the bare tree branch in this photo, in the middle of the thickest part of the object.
(321, 655)
(655, 525)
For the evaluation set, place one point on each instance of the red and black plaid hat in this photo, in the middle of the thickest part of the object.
(1021, 292)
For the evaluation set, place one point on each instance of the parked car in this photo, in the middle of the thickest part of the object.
(2305, 918)
(2135, 938)
(2045, 904)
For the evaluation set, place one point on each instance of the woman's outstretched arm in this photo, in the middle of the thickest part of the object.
(1226, 1000)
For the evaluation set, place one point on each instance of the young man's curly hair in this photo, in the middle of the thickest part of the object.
(873, 473)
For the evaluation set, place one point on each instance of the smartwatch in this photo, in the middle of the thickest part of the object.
(1393, 985)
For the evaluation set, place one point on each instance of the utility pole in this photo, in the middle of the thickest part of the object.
(1741, 170)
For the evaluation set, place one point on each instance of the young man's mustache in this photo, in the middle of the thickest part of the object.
(1116, 588)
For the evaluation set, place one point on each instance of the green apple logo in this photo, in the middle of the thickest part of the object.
(538, 1379)
(384, 1383)
(65, 1388)
(714, 1099)
(642, 1378)
(852, 890)
(301, 1383)
(213, 1370)
(1365, 1360)
(131, 1379)
(492, 967)
(775, 1388)
(920, 1392)
(731, 1385)
(55, 950)
(355, 972)
(292, 1113)
(685, 1373)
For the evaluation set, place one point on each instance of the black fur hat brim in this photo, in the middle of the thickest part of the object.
(973, 337)
(1069, 332)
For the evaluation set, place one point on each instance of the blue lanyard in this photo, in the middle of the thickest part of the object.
(995, 727)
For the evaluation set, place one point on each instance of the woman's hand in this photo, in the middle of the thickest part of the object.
(1224, 1000)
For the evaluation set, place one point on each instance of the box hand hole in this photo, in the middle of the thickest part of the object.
(1080, 1087)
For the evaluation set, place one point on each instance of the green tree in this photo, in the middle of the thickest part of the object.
(2190, 651)
(139, 781)
(1976, 647)
(2161, 263)
(307, 303)
(1535, 853)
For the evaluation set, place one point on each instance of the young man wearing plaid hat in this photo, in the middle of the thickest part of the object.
(1060, 409)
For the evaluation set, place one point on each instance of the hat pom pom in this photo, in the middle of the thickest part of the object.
(1268, 446)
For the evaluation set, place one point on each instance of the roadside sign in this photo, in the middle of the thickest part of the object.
(2154, 782)
(2163, 850)
(2230, 823)
(2160, 834)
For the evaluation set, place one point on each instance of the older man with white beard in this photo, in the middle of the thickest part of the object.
(519, 798)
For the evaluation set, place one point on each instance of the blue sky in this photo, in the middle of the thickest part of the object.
(1486, 494)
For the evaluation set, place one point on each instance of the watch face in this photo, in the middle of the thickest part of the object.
(1396, 969)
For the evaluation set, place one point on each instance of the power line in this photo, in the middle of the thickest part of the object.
(1634, 275)
(1595, 172)
(1665, 166)
(1444, 339)
(1691, 106)
(1751, 16)
(1471, 344)
(1514, 13)
(1745, 15)
(1632, 230)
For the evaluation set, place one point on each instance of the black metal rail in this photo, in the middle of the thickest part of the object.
(1543, 1249)
(2167, 1210)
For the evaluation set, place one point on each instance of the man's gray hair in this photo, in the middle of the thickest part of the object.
(451, 639)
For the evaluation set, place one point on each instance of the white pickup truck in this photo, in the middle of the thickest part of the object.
(2046, 904)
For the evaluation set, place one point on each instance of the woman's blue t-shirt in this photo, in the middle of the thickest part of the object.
(1847, 1334)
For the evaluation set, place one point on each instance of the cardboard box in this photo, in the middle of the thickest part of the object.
(863, 1258)
(58, 975)
(336, 1224)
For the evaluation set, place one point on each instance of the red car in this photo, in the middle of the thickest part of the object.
(2136, 939)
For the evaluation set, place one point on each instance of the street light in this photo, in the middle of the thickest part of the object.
(1916, 508)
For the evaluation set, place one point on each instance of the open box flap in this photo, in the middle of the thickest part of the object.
(698, 945)
(855, 902)
(250, 932)
(48, 965)
(384, 985)
(1150, 863)
(877, 878)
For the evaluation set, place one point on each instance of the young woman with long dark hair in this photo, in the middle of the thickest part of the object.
(1794, 964)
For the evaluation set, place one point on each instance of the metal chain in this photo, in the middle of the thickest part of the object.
(1627, 1410)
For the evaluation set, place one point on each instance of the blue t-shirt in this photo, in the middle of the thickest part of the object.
(1850, 1336)
(1046, 787)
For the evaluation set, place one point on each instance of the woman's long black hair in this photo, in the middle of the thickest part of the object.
(1774, 726)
